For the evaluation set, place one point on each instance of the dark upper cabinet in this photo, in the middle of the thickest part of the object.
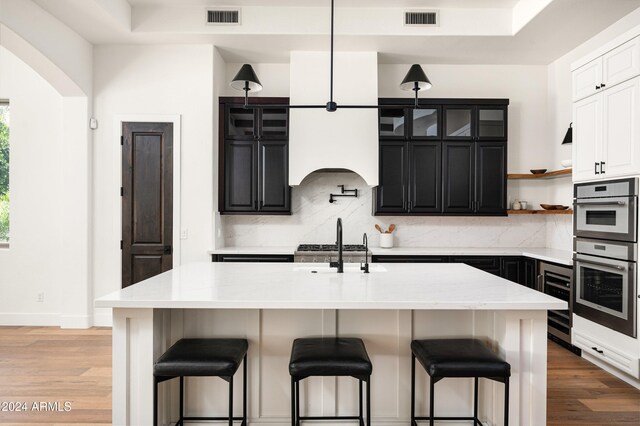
(409, 123)
(240, 122)
(273, 122)
(254, 162)
(392, 123)
(240, 175)
(491, 123)
(458, 176)
(425, 122)
(391, 194)
(475, 122)
(425, 160)
(459, 123)
(490, 174)
(274, 191)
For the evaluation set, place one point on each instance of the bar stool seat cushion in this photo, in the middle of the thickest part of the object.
(329, 356)
(459, 358)
(201, 357)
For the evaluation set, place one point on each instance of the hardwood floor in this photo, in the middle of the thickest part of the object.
(47, 364)
(579, 393)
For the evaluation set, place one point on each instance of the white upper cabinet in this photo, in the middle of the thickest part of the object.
(606, 113)
(621, 64)
(587, 79)
(587, 138)
(621, 142)
(614, 67)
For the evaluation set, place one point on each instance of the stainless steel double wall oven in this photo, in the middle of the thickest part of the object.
(606, 254)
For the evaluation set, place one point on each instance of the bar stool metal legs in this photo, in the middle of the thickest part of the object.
(296, 418)
(464, 358)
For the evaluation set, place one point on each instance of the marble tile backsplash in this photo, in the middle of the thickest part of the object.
(314, 221)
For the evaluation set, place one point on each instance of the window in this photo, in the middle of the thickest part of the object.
(4, 173)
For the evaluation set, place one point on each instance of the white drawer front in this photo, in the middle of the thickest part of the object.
(622, 361)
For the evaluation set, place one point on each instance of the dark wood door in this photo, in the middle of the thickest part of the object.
(425, 160)
(458, 122)
(391, 194)
(147, 200)
(274, 191)
(511, 269)
(240, 176)
(491, 177)
(458, 177)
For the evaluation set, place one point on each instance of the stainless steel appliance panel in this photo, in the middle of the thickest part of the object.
(605, 292)
(606, 210)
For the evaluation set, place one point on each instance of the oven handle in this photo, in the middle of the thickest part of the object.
(600, 203)
(606, 265)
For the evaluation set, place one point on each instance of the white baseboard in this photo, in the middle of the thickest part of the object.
(103, 319)
(75, 321)
(29, 319)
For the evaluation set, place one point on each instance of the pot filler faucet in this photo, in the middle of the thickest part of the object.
(340, 263)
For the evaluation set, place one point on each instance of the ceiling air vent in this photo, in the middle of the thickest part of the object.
(422, 18)
(223, 16)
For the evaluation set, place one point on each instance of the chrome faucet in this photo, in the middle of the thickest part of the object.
(365, 241)
(340, 263)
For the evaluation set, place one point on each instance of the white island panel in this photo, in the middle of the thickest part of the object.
(272, 304)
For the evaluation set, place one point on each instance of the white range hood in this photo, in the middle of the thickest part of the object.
(345, 139)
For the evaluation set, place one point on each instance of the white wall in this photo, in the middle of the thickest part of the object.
(32, 264)
(148, 80)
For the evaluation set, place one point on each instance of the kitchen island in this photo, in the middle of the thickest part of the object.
(271, 304)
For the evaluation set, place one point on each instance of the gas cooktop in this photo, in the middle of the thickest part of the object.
(330, 247)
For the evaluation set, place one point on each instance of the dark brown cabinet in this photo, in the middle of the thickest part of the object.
(443, 159)
(458, 177)
(474, 175)
(475, 122)
(254, 158)
(521, 270)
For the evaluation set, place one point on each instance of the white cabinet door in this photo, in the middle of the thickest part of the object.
(587, 79)
(622, 63)
(587, 138)
(621, 142)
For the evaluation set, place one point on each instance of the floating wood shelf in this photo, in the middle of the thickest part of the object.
(549, 175)
(569, 211)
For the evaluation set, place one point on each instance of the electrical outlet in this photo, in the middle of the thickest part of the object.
(184, 234)
(40, 297)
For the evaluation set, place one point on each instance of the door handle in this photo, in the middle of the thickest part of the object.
(602, 170)
(597, 87)
(605, 265)
(167, 250)
(600, 203)
(597, 350)
(596, 168)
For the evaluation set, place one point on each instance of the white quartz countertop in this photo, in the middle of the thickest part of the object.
(563, 257)
(435, 286)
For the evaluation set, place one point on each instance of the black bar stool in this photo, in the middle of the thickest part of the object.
(202, 357)
(329, 356)
(443, 358)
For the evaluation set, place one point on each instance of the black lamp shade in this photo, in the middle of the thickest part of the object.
(246, 74)
(415, 75)
(568, 137)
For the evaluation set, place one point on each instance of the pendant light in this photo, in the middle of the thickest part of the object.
(415, 80)
(246, 79)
